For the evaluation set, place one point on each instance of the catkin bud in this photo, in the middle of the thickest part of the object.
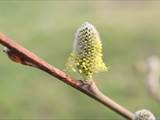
(86, 57)
(144, 115)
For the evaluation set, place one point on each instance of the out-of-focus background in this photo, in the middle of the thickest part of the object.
(130, 31)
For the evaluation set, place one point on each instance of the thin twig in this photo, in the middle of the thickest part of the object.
(19, 54)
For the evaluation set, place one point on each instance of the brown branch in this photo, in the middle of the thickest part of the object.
(21, 55)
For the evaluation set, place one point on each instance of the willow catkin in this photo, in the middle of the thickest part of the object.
(144, 115)
(86, 57)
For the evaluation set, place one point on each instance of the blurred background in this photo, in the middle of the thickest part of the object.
(130, 31)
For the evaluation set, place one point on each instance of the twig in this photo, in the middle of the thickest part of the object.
(19, 54)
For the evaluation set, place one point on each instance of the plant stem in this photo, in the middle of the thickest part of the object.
(28, 58)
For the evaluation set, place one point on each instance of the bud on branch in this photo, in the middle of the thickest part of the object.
(86, 57)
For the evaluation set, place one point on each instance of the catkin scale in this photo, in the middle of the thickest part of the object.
(86, 57)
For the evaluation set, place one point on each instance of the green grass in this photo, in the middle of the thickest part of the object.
(129, 32)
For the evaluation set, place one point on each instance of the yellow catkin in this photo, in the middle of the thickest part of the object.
(86, 57)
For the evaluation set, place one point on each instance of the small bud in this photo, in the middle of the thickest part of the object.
(15, 57)
(11, 54)
(144, 115)
(86, 57)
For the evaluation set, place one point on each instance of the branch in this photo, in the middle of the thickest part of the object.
(21, 55)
